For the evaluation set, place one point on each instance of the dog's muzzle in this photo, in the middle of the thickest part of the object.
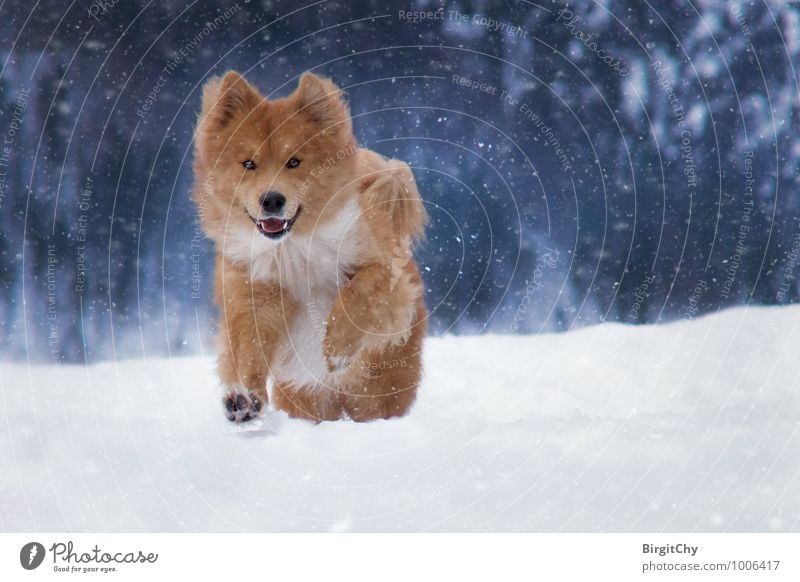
(274, 227)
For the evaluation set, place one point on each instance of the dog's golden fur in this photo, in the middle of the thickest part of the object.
(331, 314)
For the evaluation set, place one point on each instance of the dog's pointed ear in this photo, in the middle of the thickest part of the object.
(224, 98)
(321, 100)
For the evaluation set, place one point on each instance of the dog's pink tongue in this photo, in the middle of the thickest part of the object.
(272, 225)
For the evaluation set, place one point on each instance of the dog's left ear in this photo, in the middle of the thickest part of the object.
(321, 100)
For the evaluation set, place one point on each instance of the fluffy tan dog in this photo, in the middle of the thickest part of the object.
(318, 292)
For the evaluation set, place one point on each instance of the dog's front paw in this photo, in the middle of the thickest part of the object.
(342, 341)
(339, 354)
(241, 405)
(338, 364)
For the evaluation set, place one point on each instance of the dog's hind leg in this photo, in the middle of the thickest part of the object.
(384, 384)
(315, 403)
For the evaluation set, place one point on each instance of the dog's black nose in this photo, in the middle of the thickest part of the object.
(273, 202)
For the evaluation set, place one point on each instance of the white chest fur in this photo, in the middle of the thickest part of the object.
(311, 268)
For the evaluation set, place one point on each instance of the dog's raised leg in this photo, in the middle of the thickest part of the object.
(373, 311)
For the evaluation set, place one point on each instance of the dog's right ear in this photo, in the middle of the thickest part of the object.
(224, 98)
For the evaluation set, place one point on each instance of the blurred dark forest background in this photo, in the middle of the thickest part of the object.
(641, 166)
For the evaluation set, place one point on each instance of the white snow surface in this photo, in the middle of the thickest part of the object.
(687, 426)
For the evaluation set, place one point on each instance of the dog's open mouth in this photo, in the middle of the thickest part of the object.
(274, 227)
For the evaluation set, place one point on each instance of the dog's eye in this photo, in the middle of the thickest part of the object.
(292, 163)
(249, 164)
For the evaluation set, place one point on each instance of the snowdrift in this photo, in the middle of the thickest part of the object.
(688, 426)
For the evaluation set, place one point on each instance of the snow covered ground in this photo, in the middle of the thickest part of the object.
(690, 426)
